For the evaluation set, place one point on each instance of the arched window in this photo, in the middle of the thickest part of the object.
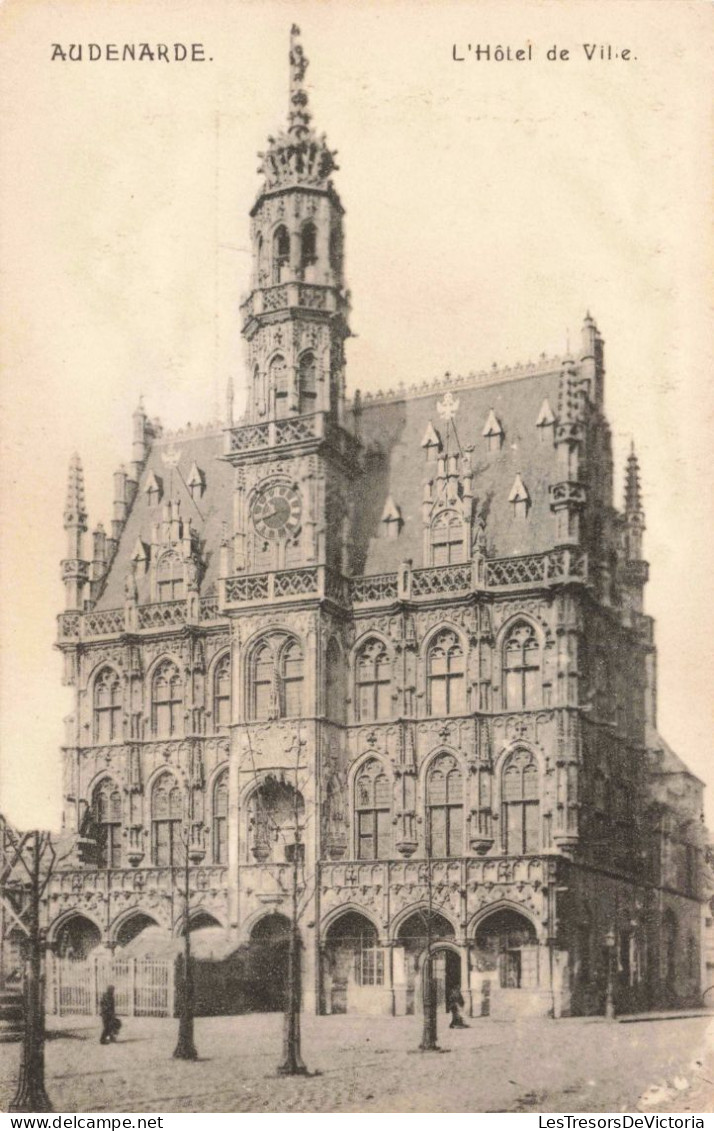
(446, 691)
(336, 251)
(520, 804)
(522, 686)
(292, 673)
(308, 246)
(107, 706)
(220, 819)
(278, 377)
(447, 539)
(307, 383)
(166, 700)
(281, 254)
(262, 683)
(445, 807)
(259, 259)
(166, 818)
(169, 578)
(106, 810)
(222, 692)
(374, 682)
(373, 812)
(335, 690)
(276, 674)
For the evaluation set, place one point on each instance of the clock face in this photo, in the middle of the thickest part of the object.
(276, 511)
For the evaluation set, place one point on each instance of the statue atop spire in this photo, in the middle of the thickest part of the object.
(299, 156)
(298, 115)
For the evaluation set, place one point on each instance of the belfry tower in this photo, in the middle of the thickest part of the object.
(295, 318)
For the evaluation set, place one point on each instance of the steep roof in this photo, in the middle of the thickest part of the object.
(207, 513)
(393, 431)
(663, 759)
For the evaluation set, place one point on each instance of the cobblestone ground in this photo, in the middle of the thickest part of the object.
(370, 1065)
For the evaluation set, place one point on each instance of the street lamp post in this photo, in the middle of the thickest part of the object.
(185, 1046)
(429, 1039)
(609, 988)
(293, 1064)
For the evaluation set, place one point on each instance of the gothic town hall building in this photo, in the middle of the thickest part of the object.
(399, 636)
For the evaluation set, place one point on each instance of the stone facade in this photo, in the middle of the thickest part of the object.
(409, 626)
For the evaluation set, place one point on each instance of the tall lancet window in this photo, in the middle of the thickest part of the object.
(521, 804)
(166, 700)
(308, 252)
(220, 819)
(522, 668)
(445, 807)
(106, 805)
(107, 706)
(279, 385)
(222, 692)
(307, 383)
(373, 671)
(281, 254)
(166, 818)
(446, 690)
(373, 812)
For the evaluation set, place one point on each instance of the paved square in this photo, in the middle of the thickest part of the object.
(371, 1064)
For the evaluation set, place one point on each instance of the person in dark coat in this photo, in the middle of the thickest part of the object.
(108, 1012)
(455, 1004)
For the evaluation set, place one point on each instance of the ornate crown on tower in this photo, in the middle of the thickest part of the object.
(298, 156)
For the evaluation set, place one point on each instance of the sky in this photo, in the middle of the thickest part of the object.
(489, 204)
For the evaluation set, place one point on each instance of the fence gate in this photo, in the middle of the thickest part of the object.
(144, 987)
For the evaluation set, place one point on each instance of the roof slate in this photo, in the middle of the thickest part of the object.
(396, 466)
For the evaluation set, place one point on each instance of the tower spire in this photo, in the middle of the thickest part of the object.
(633, 492)
(298, 114)
(75, 570)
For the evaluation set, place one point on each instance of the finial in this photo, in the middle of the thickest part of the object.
(298, 115)
(633, 493)
(75, 490)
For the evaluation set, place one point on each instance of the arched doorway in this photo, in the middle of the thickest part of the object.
(447, 974)
(268, 955)
(413, 937)
(507, 944)
(354, 966)
(132, 927)
(76, 937)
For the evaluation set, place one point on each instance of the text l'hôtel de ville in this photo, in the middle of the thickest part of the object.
(507, 53)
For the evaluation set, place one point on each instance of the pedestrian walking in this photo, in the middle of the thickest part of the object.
(455, 1003)
(108, 1012)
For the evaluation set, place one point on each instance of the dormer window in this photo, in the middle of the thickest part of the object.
(391, 519)
(519, 498)
(545, 421)
(154, 489)
(493, 433)
(431, 441)
(196, 482)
